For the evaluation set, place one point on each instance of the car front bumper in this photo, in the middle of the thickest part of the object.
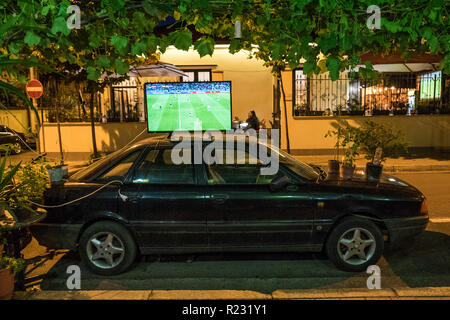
(56, 236)
(402, 230)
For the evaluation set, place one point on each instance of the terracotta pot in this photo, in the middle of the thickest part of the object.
(333, 166)
(1, 250)
(347, 172)
(6, 284)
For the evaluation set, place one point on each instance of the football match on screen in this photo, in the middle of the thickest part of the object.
(175, 106)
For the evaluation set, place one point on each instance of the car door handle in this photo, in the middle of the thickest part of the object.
(220, 198)
(292, 188)
(134, 199)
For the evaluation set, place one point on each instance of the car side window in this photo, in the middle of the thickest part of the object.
(120, 169)
(158, 168)
(237, 173)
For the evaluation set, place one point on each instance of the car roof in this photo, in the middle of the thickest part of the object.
(164, 140)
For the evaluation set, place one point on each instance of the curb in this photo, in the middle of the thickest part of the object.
(394, 168)
(310, 294)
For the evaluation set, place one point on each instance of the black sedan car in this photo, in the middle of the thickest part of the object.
(138, 201)
(17, 140)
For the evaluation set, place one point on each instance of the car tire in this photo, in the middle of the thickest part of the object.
(354, 244)
(107, 248)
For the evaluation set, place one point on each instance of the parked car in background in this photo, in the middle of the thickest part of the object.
(17, 140)
(149, 205)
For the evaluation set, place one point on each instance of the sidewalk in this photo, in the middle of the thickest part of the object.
(391, 165)
(433, 293)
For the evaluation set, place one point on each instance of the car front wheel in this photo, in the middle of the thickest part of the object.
(17, 148)
(107, 248)
(354, 244)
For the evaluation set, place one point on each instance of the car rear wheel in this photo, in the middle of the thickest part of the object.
(107, 248)
(354, 244)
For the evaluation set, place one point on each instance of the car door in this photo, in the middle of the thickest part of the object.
(167, 210)
(243, 211)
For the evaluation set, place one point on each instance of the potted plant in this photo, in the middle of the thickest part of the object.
(351, 144)
(19, 186)
(379, 142)
(8, 268)
(348, 137)
(334, 165)
(355, 107)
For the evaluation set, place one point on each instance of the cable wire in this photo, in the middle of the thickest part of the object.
(72, 201)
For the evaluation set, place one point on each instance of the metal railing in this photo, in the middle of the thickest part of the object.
(395, 93)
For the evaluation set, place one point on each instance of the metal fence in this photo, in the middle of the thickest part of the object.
(397, 93)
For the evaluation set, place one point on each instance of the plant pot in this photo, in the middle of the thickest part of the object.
(333, 166)
(2, 246)
(58, 173)
(347, 172)
(6, 284)
(373, 171)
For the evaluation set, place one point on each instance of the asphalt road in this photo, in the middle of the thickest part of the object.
(436, 187)
(424, 263)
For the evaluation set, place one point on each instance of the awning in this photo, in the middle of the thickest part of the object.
(153, 69)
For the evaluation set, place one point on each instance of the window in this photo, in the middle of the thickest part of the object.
(124, 102)
(235, 173)
(158, 168)
(120, 169)
(197, 75)
(312, 95)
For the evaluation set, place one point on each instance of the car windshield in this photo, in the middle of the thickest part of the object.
(300, 168)
(89, 170)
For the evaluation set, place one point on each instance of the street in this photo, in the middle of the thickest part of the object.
(426, 263)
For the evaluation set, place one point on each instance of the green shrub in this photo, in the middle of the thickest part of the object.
(374, 135)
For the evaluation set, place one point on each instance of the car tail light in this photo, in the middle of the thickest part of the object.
(424, 207)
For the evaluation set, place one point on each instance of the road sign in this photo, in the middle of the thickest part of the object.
(34, 89)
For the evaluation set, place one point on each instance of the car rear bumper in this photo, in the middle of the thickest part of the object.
(404, 229)
(56, 236)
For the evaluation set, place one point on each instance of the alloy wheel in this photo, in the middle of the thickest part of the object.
(105, 250)
(356, 246)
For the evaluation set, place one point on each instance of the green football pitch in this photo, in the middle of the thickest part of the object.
(195, 111)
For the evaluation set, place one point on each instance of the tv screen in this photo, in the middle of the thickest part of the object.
(174, 106)
(430, 85)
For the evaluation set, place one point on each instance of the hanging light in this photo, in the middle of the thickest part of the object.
(237, 29)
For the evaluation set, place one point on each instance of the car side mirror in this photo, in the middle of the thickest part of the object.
(279, 183)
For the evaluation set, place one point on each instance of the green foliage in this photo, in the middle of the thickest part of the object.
(349, 138)
(117, 33)
(21, 183)
(31, 181)
(374, 135)
(16, 264)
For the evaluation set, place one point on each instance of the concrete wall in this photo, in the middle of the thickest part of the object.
(77, 138)
(14, 119)
(306, 134)
(251, 81)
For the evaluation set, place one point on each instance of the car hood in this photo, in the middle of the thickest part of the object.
(359, 180)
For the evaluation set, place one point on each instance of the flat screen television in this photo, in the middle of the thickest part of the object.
(190, 106)
(430, 85)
